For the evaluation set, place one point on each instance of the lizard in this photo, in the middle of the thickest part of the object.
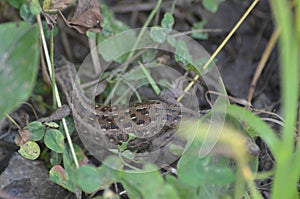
(110, 126)
(152, 123)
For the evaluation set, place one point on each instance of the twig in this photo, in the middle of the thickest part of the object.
(13, 121)
(196, 31)
(31, 107)
(259, 111)
(234, 99)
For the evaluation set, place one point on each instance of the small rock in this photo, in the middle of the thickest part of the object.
(29, 179)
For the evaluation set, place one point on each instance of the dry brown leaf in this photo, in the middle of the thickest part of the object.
(22, 137)
(87, 17)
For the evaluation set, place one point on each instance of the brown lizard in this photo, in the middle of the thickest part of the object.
(108, 126)
(105, 127)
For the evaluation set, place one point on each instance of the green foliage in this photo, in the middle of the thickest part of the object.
(92, 178)
(168, 21)
(149, 56)
(16, 3)
(200, 171)
(58, 175)
(182, 53)
(19, 54)
(113, 49)
(30, 150)
(199, 26)
(288, 158)
(110, 25)
(37, 130)
(70, 125)
(26, 14)
(211, 5)
(124, 145)
(158, 34)
(54, 140)
(55, 158)
(35, 7)
(141, 185)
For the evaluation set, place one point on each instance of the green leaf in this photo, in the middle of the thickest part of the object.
(55, 158)
(199, 26)
(19, 54)
(54, 140)
(109, 24)
(211, 5)
(68, 161)
(26, 14)
(58, 175)
(149, 55)
(110, 169)
(70, 125)
(183, 190)
(168, 21)
(35, 7)
(30, 150)
(113, 162)
(158, 34)
(261, 128)
(196, 171)
(141, 185)
(88, 178)
(82, 159)
(182, 53)
(37, 130)
(172, 41)
(118, 47)
(53, 125)
(16, 3)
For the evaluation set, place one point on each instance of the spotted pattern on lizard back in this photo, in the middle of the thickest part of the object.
(109, 126)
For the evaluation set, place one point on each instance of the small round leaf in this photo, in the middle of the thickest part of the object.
(88, 178)
(30, 150)
(54, 140)
(168, 21)
(37, 130)
(58, 175)
(157, 34)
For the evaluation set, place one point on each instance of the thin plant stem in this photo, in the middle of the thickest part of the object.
(150, 79)
(146, 24)
(262, 63)
(52, 67)
(173, 6)
(55, 90)
(13, 121)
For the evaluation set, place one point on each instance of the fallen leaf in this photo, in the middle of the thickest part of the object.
(87, 17)
(22, 137)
